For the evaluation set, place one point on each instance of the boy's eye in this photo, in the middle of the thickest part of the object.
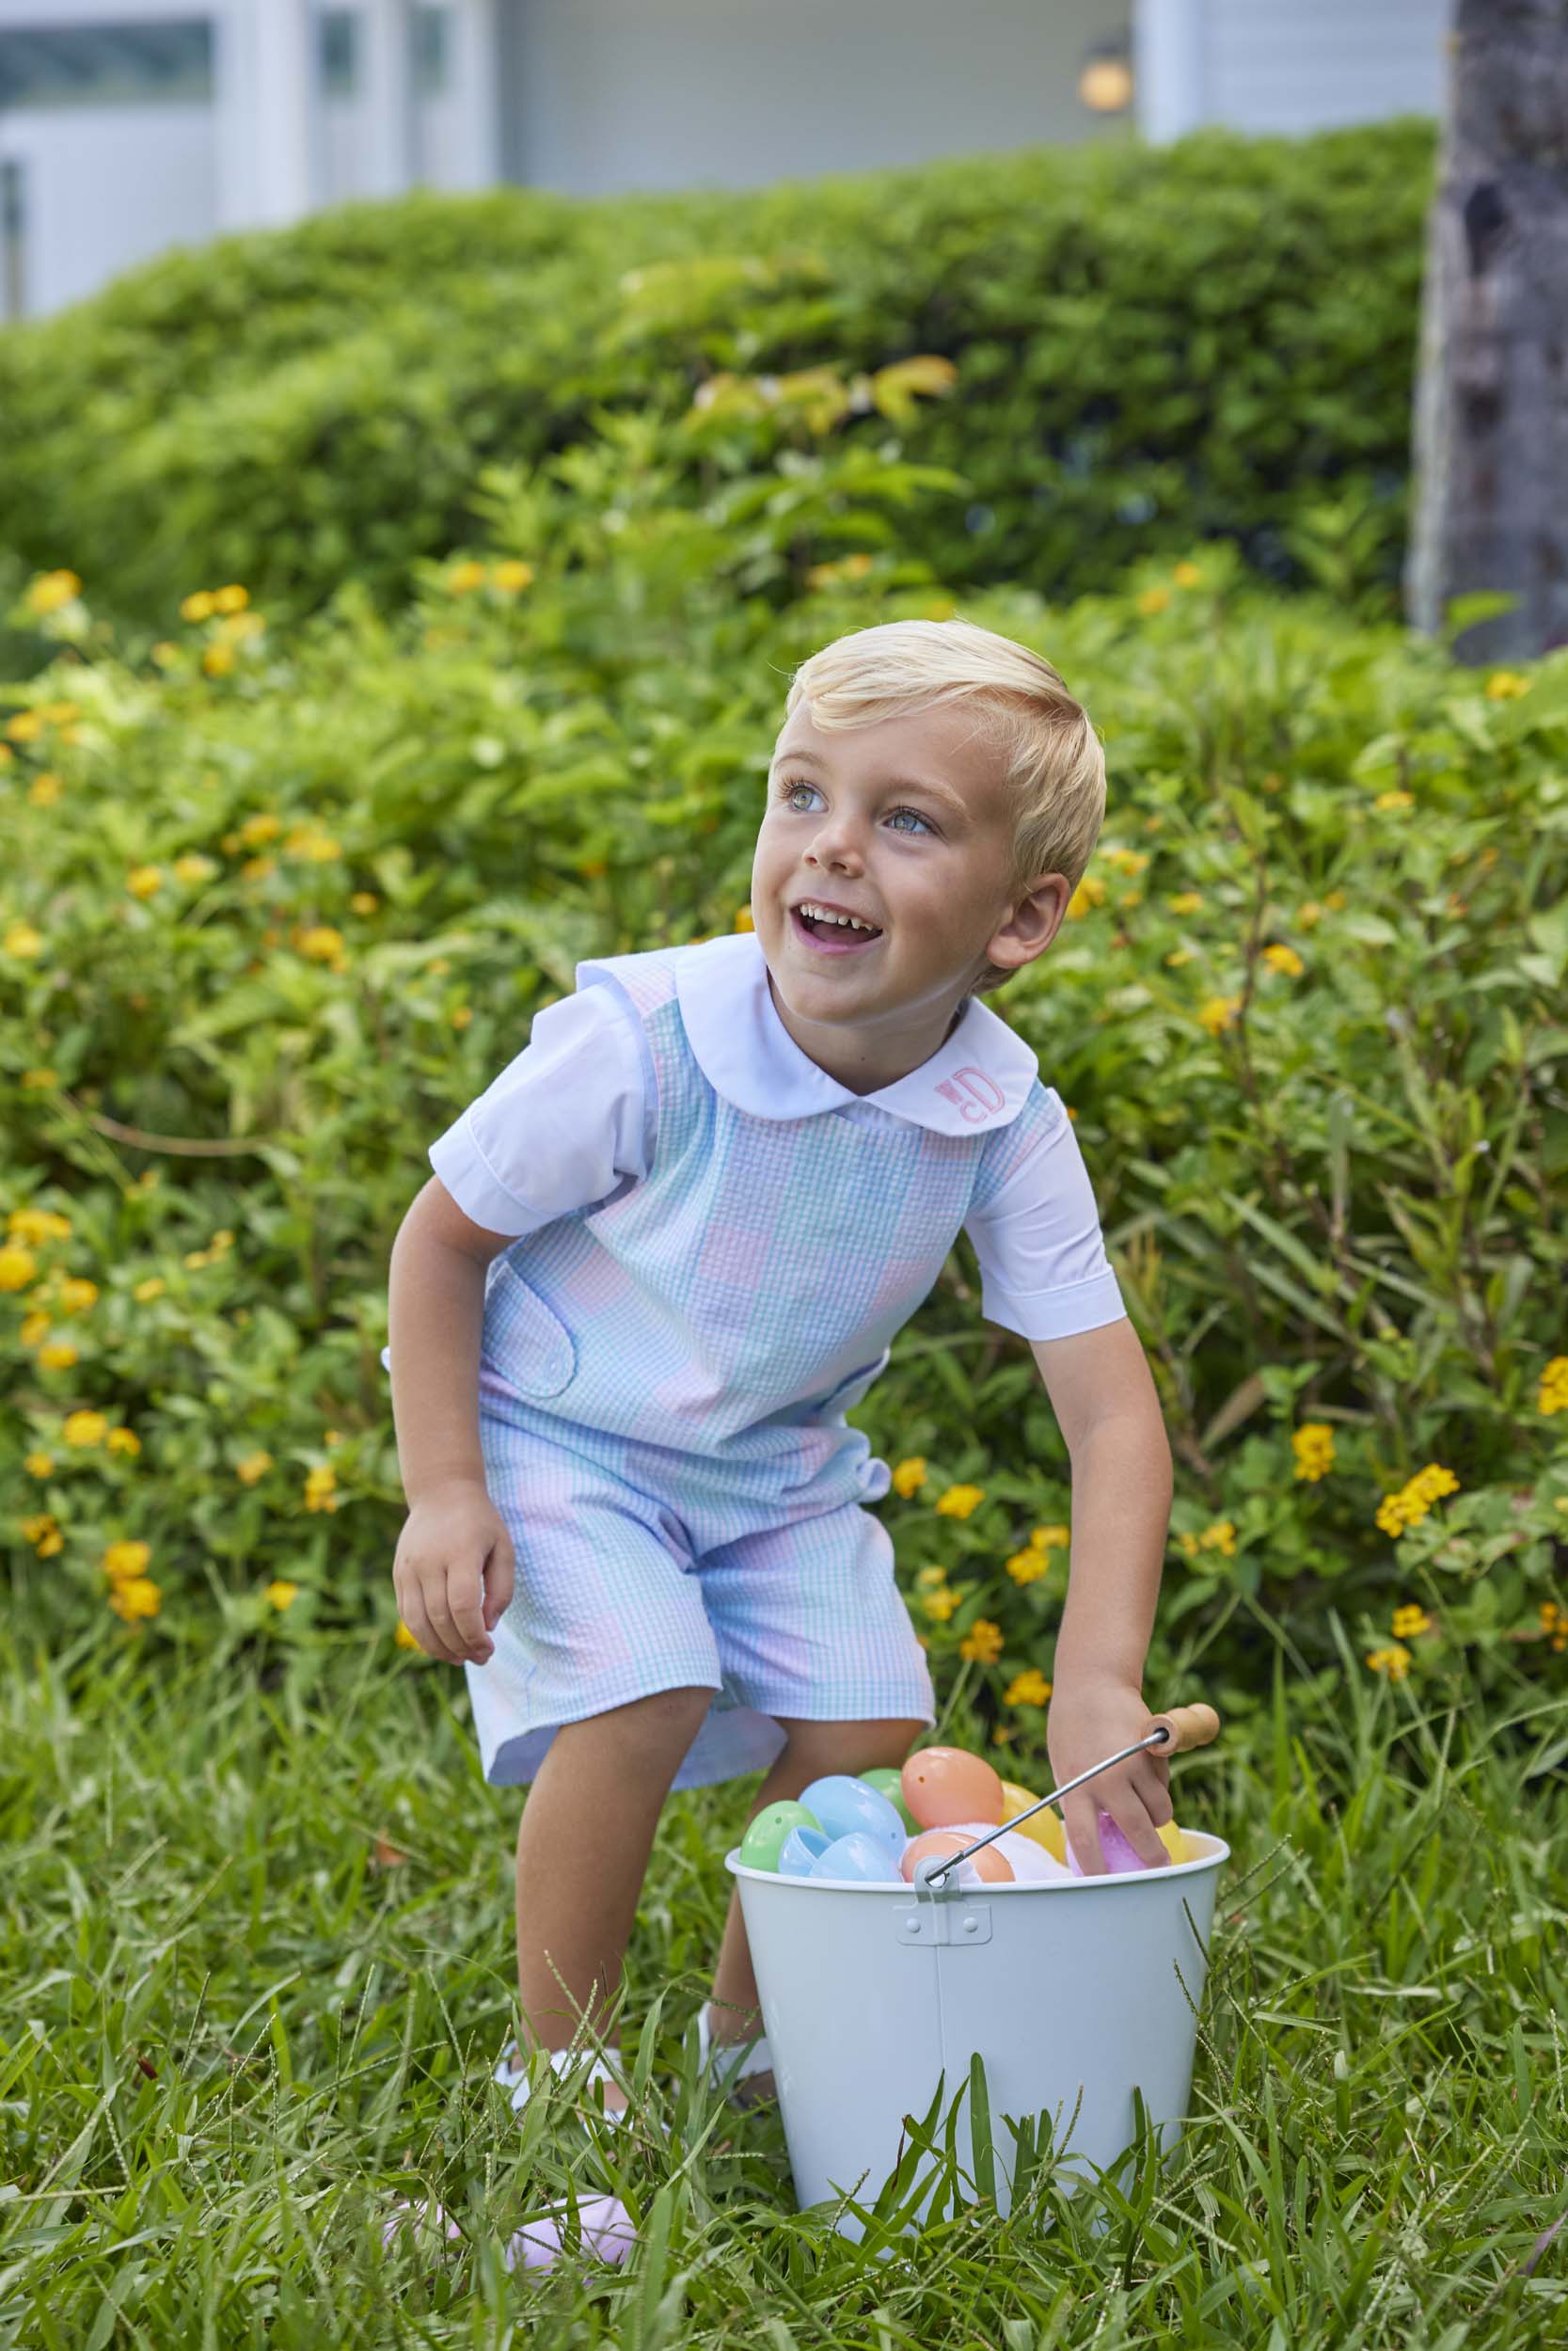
(794, 784)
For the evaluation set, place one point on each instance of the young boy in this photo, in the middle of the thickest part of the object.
(672, 1242)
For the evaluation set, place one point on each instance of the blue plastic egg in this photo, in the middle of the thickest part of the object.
(859, 1856)
(799, 1850)
(846, 1806)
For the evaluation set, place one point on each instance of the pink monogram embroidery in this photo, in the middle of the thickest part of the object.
(972, 1094)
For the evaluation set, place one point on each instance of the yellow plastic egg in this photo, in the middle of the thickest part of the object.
(1045, 1828)
(1174, 1843)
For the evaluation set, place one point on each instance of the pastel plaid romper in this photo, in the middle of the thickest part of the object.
(717, 1245)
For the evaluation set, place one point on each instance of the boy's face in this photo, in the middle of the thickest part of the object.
(904, 824)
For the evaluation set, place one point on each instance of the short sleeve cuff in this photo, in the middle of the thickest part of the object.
(463, 1169)
(1058, 1314)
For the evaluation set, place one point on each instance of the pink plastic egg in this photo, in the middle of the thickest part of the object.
(1116, 1854)
(942, 1784)
(941, 1842)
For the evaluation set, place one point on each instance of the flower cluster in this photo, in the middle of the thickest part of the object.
(1413, 1499)
(1554, 1623)
(1394, 1662)
(1313, 1446)
(1554, 1386)
(1218, 1536)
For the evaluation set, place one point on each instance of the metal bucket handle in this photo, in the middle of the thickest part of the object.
(1182, 1727)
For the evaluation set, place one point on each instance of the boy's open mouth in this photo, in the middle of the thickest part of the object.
(825, 938)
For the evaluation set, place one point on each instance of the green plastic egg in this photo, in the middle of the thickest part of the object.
(889, 1781)
(765, 1835)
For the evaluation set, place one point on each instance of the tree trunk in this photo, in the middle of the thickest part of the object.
(1489, 497)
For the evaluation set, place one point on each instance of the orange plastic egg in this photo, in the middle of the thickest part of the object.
(988, 1862)
(946, 1784)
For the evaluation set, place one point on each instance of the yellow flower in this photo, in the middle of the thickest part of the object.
(197, 607)
(124, 1441)
(218, 660)
(1395, 798)
(1153, 600)
(1415, 1499)
(58, 1356)
(363, 902)
(1028, 1565)
(1313, 1443)
(1308, 914)
(138, 1597)
(39, 1077)
(44, 1535)
(1185, 902)
(314, 844)
(27, 726)
(1089, 893)
(144, 880)
(281, 1593)
(17, 1266)
(1219, 1537)
(77, 1294)
(909, 1474)
(44, 789)
(261, 827)
(194, 866)
(462, 1015)
(1553, 1396)
(22, 940)
(254, 1466)
(1409, 1620)
(404, 1639)
(511, 576)
(982, 1641)
(1554, 1623)
(233, 599)
(1055, 1538)
(1335, 901)
(1179, 956)
(1394, 1662)
(34, 1330)
(85, 1428)
(1218, 1012)
(153, 1287)
(319, 1485)
(1503, 685)
(124, 1561)
(318, 944)
(930, 1579)
(940, 1604)
(37, 1224)
(258, 869)
(52, 589)
(1286, 960)
(38, 1464)
(1129, 861)
(165, 654)
(959, 1501)
(1187, 576)
(1028, 1689)
(465, 577)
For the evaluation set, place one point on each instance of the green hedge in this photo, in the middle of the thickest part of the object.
(285, 907)
(1139, 348)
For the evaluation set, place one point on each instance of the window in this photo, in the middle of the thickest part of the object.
(340, 51)
(107, 65)
(432, 28)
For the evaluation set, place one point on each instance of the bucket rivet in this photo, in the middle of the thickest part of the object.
(912, 1926)
(970, 1925)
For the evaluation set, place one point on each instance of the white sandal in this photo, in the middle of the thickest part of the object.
(728, 2063)
(510, 2074)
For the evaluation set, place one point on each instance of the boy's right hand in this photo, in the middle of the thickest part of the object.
(453, 1572)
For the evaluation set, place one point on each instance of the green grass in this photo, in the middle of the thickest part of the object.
(232, 2039)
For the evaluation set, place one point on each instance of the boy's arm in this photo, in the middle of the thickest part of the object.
(1108, 1410)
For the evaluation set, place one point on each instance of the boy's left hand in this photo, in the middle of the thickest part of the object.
(1089, 1719)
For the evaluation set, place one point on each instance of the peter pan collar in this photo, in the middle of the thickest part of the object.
(978, 1079)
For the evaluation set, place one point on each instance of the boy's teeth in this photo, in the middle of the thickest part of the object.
(846, 922)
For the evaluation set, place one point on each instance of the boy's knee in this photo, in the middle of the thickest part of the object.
(820, 1748)
(664, 1717)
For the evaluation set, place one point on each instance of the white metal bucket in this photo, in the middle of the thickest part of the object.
(1073, 1993)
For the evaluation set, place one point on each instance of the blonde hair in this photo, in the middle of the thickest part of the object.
(1053, 766)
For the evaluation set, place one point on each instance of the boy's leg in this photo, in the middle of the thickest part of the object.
(584, 1845)
(812, 1750)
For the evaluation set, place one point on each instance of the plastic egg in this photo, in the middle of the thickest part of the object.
(845, 1805)
(1045, 1828)
(990, 1866)
(1174, 1843)
(889, 1781)
(1115, 1850)
(946, 1784)
(860, 1856)
(759, 1846)
(1031, 1863)
(800, 1848)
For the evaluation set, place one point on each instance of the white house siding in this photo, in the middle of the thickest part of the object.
(1285, 66)
(607, 96)
(102, 188)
